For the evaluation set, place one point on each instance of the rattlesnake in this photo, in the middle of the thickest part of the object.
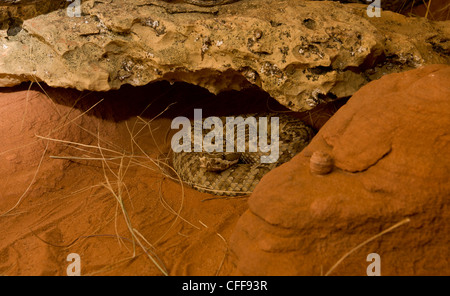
(394, 5)
(233, 174)
(205, 3)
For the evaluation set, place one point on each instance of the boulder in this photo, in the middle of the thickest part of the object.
(388, 192)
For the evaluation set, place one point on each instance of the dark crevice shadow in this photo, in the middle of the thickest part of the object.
(161, 99)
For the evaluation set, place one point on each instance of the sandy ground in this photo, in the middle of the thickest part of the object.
(86, 173)
(79, 174)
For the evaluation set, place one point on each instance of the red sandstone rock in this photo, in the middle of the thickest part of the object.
(391, 150)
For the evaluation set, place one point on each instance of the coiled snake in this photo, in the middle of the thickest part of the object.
(237, 173)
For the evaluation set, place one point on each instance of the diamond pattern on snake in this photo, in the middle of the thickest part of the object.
(238, 172)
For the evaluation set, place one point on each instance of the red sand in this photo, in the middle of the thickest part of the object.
(51, 207)
(68, 208)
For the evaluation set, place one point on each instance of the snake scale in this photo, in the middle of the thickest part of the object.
(394, 5)
(237, 173)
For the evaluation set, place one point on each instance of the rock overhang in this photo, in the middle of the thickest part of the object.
(302, 53)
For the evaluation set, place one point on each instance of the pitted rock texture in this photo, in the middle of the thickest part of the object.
(301, 52)
(394, 5)
(390, 145)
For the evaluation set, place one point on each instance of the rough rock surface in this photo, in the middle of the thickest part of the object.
(390, 145)
(300, 53)
(394, 5)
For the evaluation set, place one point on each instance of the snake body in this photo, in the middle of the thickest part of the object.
(237, 173)
(393, 5)
(206, 3)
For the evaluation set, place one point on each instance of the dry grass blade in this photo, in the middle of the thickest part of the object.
(366, 242)
(29, 186)
(163, 166)
(115, 163)
(224, 255)
(118, 193)
(428, 9)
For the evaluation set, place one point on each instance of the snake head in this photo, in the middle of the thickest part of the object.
(218, 162)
